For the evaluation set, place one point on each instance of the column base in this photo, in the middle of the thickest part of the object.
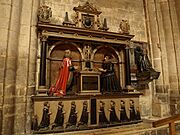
(42, 91)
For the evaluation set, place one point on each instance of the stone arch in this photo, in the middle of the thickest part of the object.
(58, 44)
(98, 56)
(110, 47)
(55, 56)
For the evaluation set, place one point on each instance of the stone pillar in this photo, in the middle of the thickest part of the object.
(160, 101)
(167, 25)
(42, 78)
(18, 62)
(25, 74)
(9, 27)
(32, 64)
(127, 67)
(174, 97)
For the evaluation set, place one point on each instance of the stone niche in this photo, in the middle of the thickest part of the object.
(79, 110)
(56, 57)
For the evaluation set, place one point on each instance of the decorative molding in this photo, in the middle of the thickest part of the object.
(83, 34)
(43, 37)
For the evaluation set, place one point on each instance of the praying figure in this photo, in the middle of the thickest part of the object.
(65, 76)
(72, 116)
(113, 116)
(59, 120)
(45, 121)
(109, 81)
(85, 115)
(102, 116)
(123, 114)
(145, 72)
(34, 123)
(132, 111)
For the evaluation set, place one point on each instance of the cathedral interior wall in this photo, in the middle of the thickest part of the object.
(19, 52)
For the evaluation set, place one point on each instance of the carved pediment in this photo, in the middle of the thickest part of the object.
(87, 8)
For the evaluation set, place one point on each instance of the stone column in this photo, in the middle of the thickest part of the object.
(172, 65)
(127, 67)
(156, 40)
(25, 73)
(42, 78)
(9, 29)
(32, 64)
(176, 34)
(173, 16)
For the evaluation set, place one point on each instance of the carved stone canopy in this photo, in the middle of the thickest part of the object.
(87, 8)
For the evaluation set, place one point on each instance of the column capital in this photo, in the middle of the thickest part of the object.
(127, 47)
(43, 36)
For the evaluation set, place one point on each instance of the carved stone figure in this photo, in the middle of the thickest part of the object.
(102, 117)
(72, 116)
(138, 115)
(123, 115)
(59, 120)
(44, 13)
(145, 72)
(124, 27)
(65, 76)
(109, 81)
(132, 111)
(87, 52)
(85, 115)
(113, 116)
(34, 124)
(45, 121)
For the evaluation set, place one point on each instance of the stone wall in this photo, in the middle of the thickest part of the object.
(18, 41)
(113, 10)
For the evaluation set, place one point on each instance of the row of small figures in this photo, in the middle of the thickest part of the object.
(134, 113)
(72, 121)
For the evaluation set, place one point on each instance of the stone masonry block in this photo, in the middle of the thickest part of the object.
(21, 90)
(9, 89)
(7, 126)
(3, 38)
(5, 11)
(8, 110)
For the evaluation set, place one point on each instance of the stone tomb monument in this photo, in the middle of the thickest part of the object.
(83, 73)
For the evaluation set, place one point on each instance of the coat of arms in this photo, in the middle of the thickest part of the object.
(124, 27)
(44, 13)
